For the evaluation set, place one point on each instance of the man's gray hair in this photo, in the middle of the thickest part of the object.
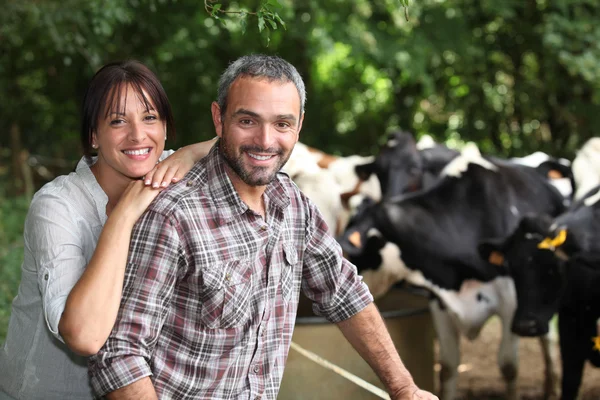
(272, 68)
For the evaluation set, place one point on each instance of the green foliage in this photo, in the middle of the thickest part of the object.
(515, 77)
(266, 16)
(12, 215)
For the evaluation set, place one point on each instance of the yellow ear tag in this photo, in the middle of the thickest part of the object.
(596, 341)
(552, 244)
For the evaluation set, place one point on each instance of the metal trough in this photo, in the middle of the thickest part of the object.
(407, 317)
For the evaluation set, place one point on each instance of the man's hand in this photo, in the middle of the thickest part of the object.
(414, 393)
(423, 395)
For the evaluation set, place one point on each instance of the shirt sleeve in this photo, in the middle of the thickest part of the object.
(53, 239)
(165, 154)
(149, 286)
(328, 279)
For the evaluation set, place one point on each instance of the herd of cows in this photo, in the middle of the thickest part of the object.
(517, 238)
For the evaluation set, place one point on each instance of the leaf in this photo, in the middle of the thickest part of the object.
(278, 18)
(266, 35)
(215, 9)
(272, 23)
(261, 21)
(243, 22)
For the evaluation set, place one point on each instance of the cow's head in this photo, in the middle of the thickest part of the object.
(398, 166)
(377, 260)
(353, 239)
(534, 256)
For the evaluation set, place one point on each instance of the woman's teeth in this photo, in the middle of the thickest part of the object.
(136, 152)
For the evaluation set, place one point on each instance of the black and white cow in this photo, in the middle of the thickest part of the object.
(556, 268)
(586, 167)
(430, 238)
(403, 165)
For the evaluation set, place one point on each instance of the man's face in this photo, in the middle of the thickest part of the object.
(259, 129)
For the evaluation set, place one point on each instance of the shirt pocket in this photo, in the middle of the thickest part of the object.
(228, 289)
(290, 256)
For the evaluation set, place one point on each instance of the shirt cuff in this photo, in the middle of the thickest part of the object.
(53, 307)
(114, 373)
(354, 302)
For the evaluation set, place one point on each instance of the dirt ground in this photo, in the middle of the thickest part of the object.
(480, 378)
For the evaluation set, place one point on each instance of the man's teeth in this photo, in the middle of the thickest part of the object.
(257, 157)
(136, 152)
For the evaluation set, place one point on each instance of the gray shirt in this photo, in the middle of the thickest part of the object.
(62, 227)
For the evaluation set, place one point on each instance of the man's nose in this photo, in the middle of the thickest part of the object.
(265, 137)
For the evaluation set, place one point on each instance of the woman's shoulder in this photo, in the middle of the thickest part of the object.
(71, 192)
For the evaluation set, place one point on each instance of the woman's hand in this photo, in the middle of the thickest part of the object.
(174, 167)
(134, 201)
(170, 170)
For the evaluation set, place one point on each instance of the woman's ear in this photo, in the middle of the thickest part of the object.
(94, 140)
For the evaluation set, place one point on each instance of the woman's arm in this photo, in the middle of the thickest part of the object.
(93, 303)
(174, 167)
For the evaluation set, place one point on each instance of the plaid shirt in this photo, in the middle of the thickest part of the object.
(212, 289)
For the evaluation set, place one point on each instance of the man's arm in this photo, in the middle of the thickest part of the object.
(138, 390)
(150, 281)
(368, 334)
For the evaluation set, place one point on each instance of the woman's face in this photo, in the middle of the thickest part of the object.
(130, 143)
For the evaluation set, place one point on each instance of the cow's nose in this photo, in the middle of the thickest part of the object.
(528, 327)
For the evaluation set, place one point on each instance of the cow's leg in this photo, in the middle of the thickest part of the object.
(548, 345)
(449, 342)
(572, 354)
(508, 352)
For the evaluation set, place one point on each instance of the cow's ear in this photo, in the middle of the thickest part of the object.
(364, 171)
(491, 250)
(535, 223)
(553, 169)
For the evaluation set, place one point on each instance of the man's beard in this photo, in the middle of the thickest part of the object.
(255, 176)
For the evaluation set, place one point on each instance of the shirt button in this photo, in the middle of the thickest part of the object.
(256, 369)
(190, 183)
(228, 276)
(46, 277)
(263, 228)
(257, 398)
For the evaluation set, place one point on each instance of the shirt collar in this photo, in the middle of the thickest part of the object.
(91, 184)
(228, 203)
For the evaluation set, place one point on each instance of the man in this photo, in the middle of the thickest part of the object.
(217, 262)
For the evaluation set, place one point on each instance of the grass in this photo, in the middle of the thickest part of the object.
(12, 218)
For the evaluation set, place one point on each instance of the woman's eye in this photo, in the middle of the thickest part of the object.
(150, 118)
(116, 121)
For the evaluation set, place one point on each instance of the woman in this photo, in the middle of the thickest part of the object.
(77, 233)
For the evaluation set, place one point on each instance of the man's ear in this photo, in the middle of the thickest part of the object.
(216, 117)
(492, 251)
(300, 122)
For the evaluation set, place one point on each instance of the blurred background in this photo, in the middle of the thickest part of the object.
(514, 77)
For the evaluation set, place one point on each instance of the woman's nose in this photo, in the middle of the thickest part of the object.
(136, 133)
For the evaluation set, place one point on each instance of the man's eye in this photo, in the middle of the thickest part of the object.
(246, 122)
(283, 125)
